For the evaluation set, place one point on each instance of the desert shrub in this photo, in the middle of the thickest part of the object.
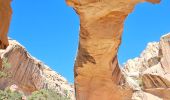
(5, 65)
(45, 94)
(9, 95)
(3, 74)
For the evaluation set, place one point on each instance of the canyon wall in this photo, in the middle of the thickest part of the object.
(149, 74)
(28, 73)
(5, 18)
(97, 74)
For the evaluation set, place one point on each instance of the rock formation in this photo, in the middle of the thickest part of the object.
(149, 74)
(5, 17)
(97, 74)
(28, 73)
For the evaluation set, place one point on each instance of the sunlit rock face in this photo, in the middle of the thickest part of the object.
(149, 74)
(29, 73)
(97, 74)
(5, 17)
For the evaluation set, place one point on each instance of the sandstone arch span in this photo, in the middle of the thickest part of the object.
(97, 74)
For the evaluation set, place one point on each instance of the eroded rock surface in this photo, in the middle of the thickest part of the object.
(152, 73)
(30, 74)
(5, 17)
(97, 74)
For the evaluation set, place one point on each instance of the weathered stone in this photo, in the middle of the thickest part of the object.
(141, 95)
(165, 51)
(30, 74)
(97, 74)
(153, 68)
(5, 17)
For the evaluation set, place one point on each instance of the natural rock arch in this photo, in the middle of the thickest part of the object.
(97, 74)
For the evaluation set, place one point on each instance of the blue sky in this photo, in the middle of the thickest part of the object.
(49, 31)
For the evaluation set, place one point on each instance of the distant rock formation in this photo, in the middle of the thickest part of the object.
(149, 74)
(97, 74)
(5, 18)
(30, 74)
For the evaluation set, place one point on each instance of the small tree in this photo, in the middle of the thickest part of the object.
(5, 66)
(7, 94)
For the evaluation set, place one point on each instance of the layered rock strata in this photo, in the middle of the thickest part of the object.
(150, 72)
(30, 74)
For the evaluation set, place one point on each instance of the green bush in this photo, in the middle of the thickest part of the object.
(9, 95)
(3, 74)
(5, 63)
(45, 94)
(5, 66)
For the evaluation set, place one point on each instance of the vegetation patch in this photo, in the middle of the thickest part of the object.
(5, 66)
(43, 94)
